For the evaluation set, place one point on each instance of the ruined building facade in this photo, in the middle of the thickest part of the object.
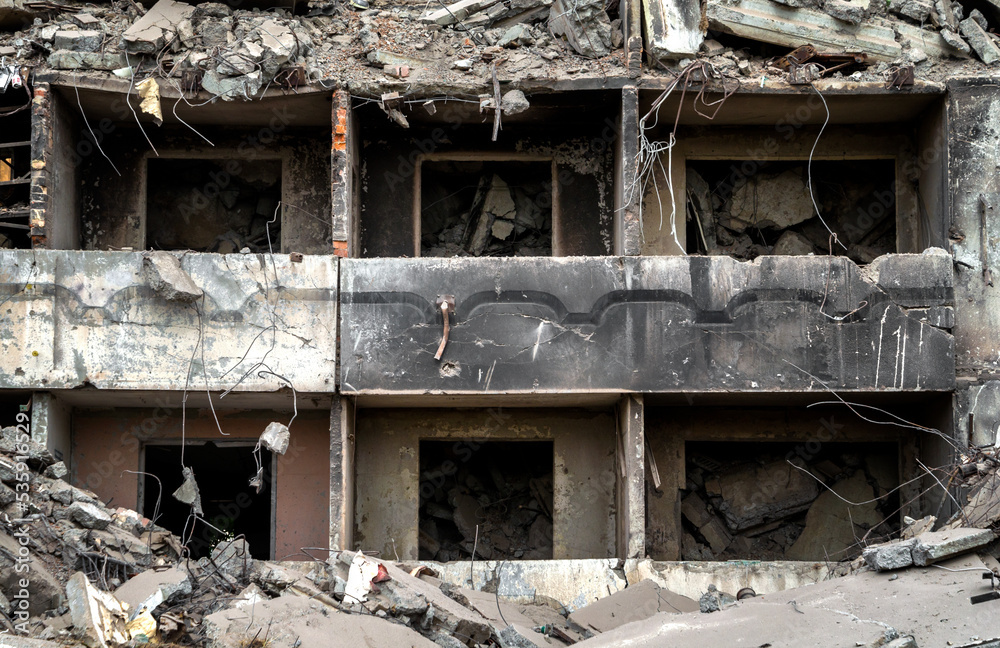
(656, 347)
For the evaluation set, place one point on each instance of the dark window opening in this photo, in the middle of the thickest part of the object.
(15, 171)
(230, 504)
(478, 208)
(746, 209)
(743, 501)
(13, 403)
(213, 205)
(502, 487)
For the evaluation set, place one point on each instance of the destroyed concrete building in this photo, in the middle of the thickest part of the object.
(565, 295)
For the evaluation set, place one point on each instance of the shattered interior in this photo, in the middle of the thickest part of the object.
(499, 322)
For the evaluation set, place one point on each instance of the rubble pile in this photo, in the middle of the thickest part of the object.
(483, 512)
(770, 211)
(57, 529)
(781, 507)
(477, 210)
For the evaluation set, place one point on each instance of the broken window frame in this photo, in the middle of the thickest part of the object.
(472, 156)
(190, 444)
(213, 154)
(838, 143)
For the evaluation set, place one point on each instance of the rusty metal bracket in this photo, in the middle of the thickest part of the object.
(900, 76)
(447, 305)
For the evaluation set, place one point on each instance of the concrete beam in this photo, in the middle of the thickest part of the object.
(89, 317)
(768, 22)
(631, 478)
(645, 324)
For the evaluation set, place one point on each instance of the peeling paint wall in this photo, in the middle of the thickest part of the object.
(107, 442)
(388, 465)
(73, 318)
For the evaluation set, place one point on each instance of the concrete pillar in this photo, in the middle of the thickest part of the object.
(628, 226)
(343, 174)
(41, 146)
(663, 505)
(342, 474)
(630, 489)
(50, 425)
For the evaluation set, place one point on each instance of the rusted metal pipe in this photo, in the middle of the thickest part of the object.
(447, 304)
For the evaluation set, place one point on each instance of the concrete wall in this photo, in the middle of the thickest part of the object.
(73, 318)
(388, 464)
(114, 207)
(109, 441)
(647, 324)
(973, 155)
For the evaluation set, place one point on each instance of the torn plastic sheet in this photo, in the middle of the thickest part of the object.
(364, 572)
(149, 90)
(275, 437)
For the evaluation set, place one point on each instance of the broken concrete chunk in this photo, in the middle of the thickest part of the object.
(634, 603)
(917, 10)
(955, 42)
(986, 48)
(297, 621)
(849, 12)
(165, 275)
(151, 32)
(68, 60)
(514, 102)
(275, 437)
(58, 470)
(768, 22)
(585, 26)
(152, 587)
(672, 28)
(188, 492)
(792, 243)
(78, 40)
(230, 88)
(887, 557)
(832, 524)
(777, 201)
(98, 617)
(457, 11)
(938, 545)
(912, 528)
(233, 557)
(745, 504)
(88, 515)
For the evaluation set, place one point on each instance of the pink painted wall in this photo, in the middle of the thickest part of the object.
(108, 441)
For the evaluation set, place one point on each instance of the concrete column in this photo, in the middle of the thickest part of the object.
(50, 425)
(343, 164)
(628, 226)
(41, 146)
(663, 505)
(630, 489)
(342, 474)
